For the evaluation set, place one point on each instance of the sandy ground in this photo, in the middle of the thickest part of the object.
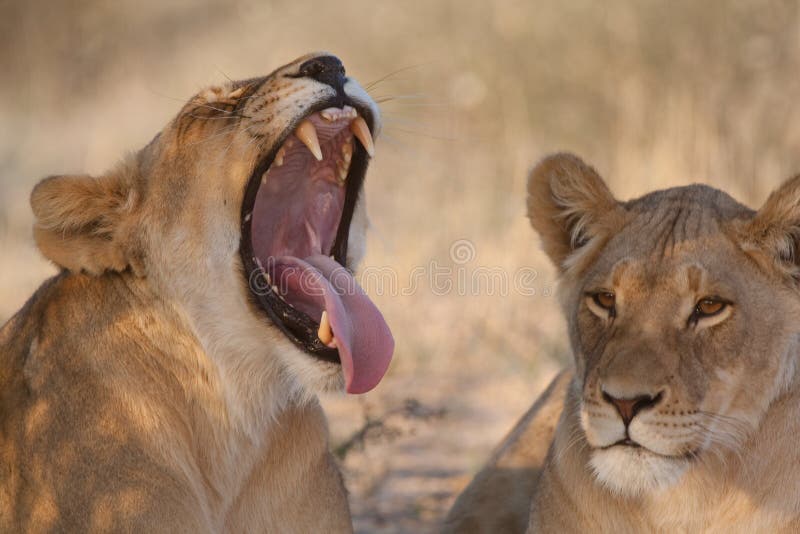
(436, 433)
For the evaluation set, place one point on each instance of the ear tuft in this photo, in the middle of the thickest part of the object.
(568, 203)
(89, 224)
(774, 232)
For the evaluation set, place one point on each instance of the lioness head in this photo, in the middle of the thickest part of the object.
(682, 309)
(246, 213)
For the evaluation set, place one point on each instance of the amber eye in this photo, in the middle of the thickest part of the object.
(605, 299)
(708, 307)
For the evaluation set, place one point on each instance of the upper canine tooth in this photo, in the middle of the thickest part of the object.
(308, 135)
(361, 131)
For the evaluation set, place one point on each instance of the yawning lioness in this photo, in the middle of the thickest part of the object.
(165, 380)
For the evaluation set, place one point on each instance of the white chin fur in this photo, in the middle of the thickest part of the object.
(632, 472)
(310, 375)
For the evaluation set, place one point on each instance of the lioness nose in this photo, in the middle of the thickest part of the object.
(628, 408)
(325, 69)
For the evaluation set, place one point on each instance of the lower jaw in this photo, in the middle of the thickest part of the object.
(634, 472)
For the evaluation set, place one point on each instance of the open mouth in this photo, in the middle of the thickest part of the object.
(296, 217)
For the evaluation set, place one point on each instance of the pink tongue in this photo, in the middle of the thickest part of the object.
(362, 336)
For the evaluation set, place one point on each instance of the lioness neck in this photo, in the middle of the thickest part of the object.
(202, 416)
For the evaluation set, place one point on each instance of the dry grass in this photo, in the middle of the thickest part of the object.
(654, 93)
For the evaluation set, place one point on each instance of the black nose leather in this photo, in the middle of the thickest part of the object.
(326, 69)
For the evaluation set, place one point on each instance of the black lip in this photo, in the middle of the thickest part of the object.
(627, 442)
(296, 325)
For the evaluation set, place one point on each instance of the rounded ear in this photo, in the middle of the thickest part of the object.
(772, 236)
(89, 224)
(569, 205)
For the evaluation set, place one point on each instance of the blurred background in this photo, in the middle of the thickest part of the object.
(652, 93)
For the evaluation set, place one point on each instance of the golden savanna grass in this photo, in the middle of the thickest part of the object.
(653, 93)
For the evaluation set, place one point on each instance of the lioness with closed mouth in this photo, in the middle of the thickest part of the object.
(164, 381)
(682, 413)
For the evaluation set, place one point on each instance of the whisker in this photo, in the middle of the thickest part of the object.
(423, 134)
(725, 432)
(574, 438)
(211, 137)
(421, 105)
(223, 73)
(209, 106)
(405, 118)
(392, 98)
(198, 104)
(222, 132)
(226, 117)
(373, 83)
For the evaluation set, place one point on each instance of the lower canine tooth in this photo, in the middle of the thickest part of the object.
(279, 157)
(347, 150)
(325, 333)
(308, 135)
(361, 131)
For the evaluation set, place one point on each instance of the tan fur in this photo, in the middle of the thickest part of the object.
(719, 445)
(140, 389)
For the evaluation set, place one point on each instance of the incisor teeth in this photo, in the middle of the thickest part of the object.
(337, 114)
(308, 135)
(361, 131)
(325, 333)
